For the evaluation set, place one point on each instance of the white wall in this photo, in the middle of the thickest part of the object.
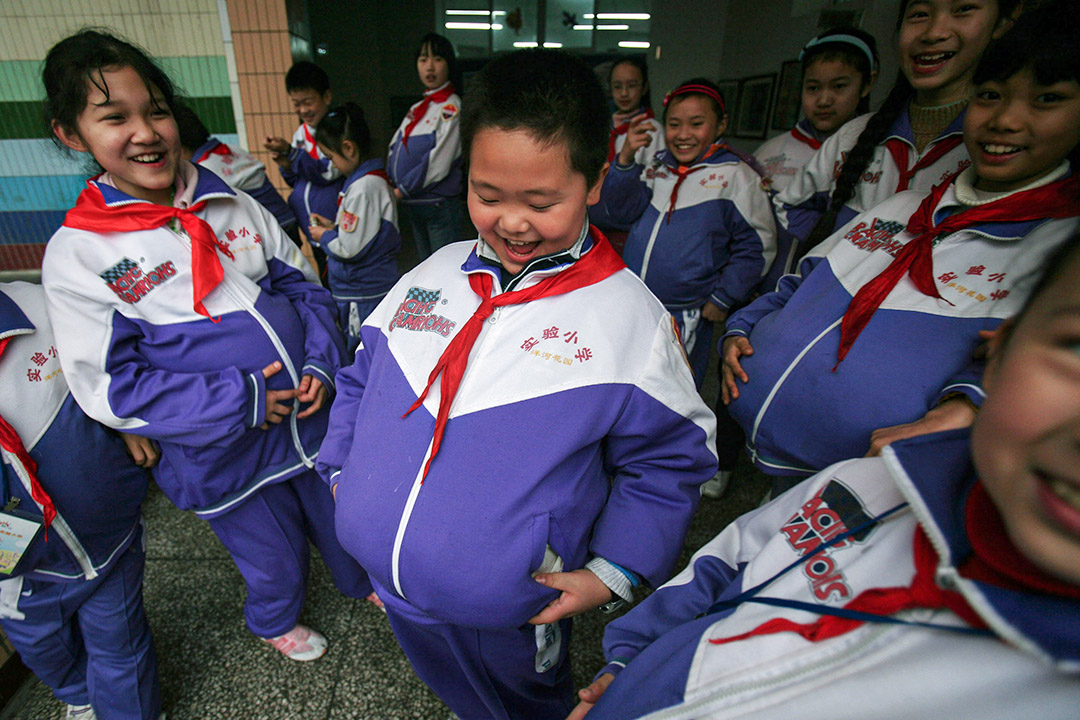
(689, 36)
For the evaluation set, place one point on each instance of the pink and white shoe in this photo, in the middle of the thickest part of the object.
(301, 644)
(375, 600)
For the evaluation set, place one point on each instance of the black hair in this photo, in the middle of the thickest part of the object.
(441, 47)
(193, 134)
(720, 108)
(637, 61)
(551, 95)
(306, 75)
(345, 122)
(873, 135)
(1043, 40)
(847, 53)
(80, 60)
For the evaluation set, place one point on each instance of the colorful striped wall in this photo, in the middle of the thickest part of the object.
(38, 183)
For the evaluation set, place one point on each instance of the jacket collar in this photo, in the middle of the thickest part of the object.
(364, 168)
(484, 259)
(1005, 231)
(207, 186)
(901, 128)
(716, 154)
(13, 320)
(935, 474)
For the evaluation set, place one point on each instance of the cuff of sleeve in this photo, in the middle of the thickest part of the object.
(624, 168)
(256, 415)
(970, 392)
(614, 667)
(720, 302)
(733, 332)
(619, 581)
(324, 377)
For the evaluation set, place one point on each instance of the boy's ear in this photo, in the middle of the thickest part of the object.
(995, 347)
(328, 98)
(69, 137)
(594, 192)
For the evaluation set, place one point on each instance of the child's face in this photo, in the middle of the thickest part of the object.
(831, 92)
(130, 133)
(524, 197)
(1018, 130)
(691, 127)
(309, 105)
(433, 69)
(345, 161)
(940, 43)
(1026, 438)
(627, 86)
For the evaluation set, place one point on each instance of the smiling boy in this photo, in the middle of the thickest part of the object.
(519, 439)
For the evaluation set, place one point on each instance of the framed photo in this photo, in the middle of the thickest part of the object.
(729, 90)
(755, 101)
(788, 96)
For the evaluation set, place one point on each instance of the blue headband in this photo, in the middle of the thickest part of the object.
(842, 38)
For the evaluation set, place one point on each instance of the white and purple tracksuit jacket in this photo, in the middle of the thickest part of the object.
(799, 414)
(428, 169)
(785, 155)
(242, 171)
(1028, 666)
(140, 359)
(576, 428)
(314, 180)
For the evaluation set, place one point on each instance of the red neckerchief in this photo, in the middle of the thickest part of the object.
(219, 149)
(683, 170)
(901, 151)
(922, 593)
(10, 441)
(995, 560)
(622, 129)
(314, 151)
(91, 213)
(597, 264)
(798, 134)
(1058, 199)
(416, 114)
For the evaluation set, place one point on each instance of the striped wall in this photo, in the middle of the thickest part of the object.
(38, 183)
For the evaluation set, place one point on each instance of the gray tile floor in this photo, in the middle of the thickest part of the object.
(213, 668)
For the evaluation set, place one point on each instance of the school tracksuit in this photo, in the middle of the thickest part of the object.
(314, 180)
(140, 359)
(74, 608)
(242, 171)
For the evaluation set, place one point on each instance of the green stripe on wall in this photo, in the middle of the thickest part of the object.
(203, 76)
(23, 120)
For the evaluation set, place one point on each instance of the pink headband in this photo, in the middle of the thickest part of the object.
(700, 89)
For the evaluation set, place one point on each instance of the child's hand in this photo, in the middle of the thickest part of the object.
(312, 391)
(321, 221)
(952, 414)
(590, 696)
(398, 195)
(581, 591)
(713, 312)
(734, 348)
(142, 450)
(277, 145)
(277, 405)
(638, 136)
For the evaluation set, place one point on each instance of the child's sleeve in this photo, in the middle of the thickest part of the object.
(318, 171)
(366, 211)
(115, 384)
(625, 194)
(750, 239)
(439, 161)
(659, 452)
(351, 384)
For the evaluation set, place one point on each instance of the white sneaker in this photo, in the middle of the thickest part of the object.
(715, 486)
(80, 712)
(301, 644)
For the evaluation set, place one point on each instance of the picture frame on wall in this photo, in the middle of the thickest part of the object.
(729, 90)
(788, 96)
(755, 101)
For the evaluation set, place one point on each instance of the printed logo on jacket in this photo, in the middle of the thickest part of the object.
(832, 511)
(130, 284)
(416, 313)
(878, 234)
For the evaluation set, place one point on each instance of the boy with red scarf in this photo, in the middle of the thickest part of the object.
(519, 439)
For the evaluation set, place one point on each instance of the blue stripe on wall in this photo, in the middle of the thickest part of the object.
(29, 227)
(24, 194)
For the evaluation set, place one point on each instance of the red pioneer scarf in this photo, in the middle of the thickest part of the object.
(900, 152)
(314, 151)
(681, 171)
(622, 129)
(798, 134)
(417, 113)
(599, 263)
(1058, 199)
(10, 441)
(219, 149)
(91, 213)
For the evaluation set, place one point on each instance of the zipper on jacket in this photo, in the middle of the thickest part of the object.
(649, 245)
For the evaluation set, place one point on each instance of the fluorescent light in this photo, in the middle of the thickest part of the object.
(485, 13)
(471, 26)
(583, 27)
(612, 27)
(588, 16)
(622, 16)
(553, 45)
(633, 44)
(525, 44)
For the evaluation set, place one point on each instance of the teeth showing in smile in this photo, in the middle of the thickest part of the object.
(934, 58)
(1000, 149)
(1065, 491)
(148, 158)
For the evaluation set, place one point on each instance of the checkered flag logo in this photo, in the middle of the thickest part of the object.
(423, 295)
(119, 270)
